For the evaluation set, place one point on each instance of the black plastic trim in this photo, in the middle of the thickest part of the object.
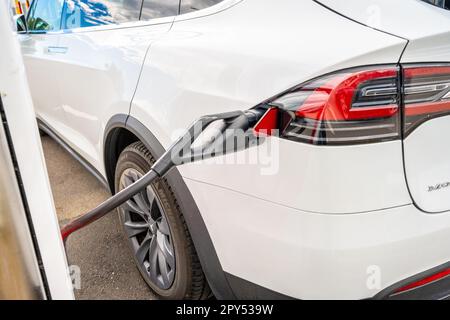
(197, 228)
(52, 134)
(439, 289)
(110, 156)
(246, 290)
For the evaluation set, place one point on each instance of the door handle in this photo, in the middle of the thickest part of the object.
(60, 50)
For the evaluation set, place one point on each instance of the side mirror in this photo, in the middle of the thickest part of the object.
(20, 23)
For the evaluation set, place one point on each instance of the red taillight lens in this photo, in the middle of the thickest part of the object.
(426, 94)
(363, 105)
(348, 97)
(422, 282)
(349, 107)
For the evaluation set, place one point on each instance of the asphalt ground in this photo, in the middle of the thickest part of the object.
(100, 250)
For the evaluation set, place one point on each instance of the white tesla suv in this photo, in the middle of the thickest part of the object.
(354, 201)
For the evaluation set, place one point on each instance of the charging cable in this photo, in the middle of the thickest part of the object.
(208, 137)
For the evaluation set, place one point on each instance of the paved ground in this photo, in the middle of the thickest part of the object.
(107, 268)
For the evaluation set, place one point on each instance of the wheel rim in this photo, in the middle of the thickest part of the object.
(146, 227)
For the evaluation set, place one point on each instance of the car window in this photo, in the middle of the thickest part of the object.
(45, 15)
(90, 13)
(152, 9)
(445, 4)
(187, 6)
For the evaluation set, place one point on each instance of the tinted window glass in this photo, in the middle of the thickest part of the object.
(445, 4)
(152, 9)
(194, 5)
(45, 15)
(89, 13)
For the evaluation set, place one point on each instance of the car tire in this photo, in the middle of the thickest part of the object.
(185, 278)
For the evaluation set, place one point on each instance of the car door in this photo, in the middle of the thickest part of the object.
(39, 49)
(103, 47)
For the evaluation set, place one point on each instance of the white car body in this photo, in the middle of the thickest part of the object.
(331, 218)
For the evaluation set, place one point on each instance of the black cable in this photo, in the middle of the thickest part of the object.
(171, 158)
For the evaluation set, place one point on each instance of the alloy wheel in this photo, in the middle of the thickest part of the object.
(146, 227)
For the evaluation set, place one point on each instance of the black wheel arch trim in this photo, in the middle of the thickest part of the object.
(247, 290)
(109, 144)
(197, 228)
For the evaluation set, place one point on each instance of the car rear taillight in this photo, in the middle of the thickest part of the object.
(361, 105)
(426, 94)
(350, 107)
(425, 281)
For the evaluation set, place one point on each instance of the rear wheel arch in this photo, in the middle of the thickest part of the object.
(123, 130)
(117, 138)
